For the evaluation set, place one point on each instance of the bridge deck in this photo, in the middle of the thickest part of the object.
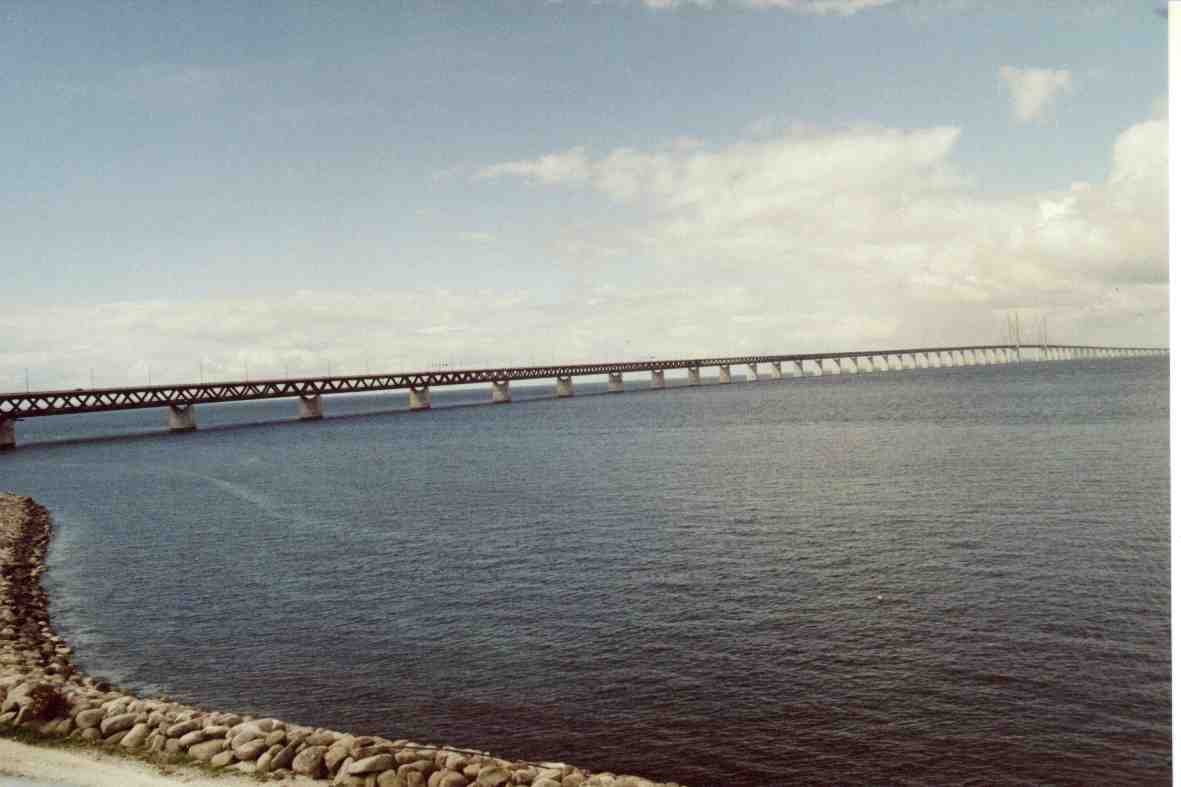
(44, 403)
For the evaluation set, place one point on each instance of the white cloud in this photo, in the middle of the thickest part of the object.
(804, 241)
(881, 222)
(1033, 89)
(568, 167)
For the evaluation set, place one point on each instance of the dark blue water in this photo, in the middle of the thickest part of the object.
(944, 576)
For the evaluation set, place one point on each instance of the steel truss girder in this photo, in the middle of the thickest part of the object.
(44, 403)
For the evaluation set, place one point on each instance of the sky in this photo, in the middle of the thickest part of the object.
(224, 189)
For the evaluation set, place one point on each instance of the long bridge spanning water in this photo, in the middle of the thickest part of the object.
(181, 399)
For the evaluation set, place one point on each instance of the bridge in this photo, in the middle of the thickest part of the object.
(181, 400)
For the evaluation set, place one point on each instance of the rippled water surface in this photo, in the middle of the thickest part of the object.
(944, 576)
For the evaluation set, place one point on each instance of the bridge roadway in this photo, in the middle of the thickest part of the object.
(180, 399)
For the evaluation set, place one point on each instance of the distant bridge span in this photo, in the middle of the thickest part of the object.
(180, 399)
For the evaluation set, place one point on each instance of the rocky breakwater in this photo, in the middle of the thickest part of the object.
(43, 693)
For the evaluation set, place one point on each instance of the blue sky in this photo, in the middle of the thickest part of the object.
(486, 182)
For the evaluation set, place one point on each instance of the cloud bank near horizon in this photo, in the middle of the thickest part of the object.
(885, 210)
(807, 240)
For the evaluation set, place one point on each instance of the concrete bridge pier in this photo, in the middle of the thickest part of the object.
(420, 398)
(753, 377)
(501, 393)
(181, 418)
(7, 433)
(723, 374)
(565, 386)
(799, 372)
(310, 408)
(658, 378)
(614, 382)
(694, 375)
(776, 370)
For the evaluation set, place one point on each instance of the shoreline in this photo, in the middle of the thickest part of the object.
(45, 697)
